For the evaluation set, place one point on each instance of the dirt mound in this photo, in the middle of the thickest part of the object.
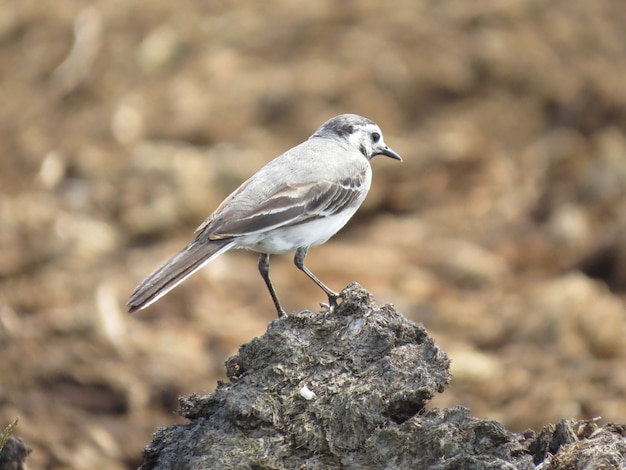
(348, 389)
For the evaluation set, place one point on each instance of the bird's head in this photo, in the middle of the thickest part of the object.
(361, 133)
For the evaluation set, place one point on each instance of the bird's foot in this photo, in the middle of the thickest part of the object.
(331, 305)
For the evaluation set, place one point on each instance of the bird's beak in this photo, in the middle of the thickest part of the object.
(390, 153)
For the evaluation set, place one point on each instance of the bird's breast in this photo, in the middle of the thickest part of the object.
(287, 239)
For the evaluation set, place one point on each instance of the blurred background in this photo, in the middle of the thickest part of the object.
(123, 124)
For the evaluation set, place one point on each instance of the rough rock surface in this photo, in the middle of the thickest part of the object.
(372, 372)
(13, 454)
(573, 444)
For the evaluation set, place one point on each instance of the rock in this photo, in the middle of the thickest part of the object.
(348, 389)
(573, 444)
(372, 372)
(13, 454)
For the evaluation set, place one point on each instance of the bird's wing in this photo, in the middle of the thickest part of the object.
(288, 204)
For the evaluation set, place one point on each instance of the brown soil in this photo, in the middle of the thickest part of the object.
(123, 125)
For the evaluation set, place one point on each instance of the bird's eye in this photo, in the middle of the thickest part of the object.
(375, 137)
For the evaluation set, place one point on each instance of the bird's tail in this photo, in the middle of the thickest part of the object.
(176, 270)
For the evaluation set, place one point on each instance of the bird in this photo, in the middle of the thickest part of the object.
(297, 201)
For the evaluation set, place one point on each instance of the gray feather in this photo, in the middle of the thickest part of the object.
(176, 270)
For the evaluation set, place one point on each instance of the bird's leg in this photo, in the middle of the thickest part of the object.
(264, 269)
(299, 261)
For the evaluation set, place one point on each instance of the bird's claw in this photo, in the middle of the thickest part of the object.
(330, 306)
